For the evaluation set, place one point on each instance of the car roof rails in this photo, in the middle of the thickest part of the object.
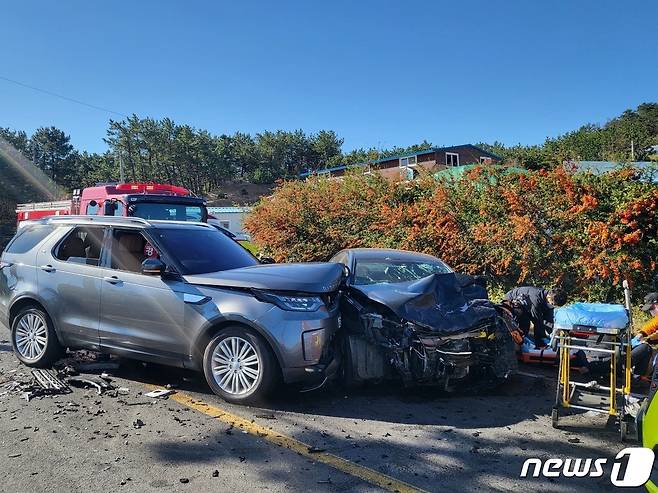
(98, 219)
(156, 222)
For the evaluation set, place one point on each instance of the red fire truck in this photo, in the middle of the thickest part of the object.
(145, 200)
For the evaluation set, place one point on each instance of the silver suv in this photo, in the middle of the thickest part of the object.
(180, 294)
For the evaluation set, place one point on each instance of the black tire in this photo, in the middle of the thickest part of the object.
(268, 369)
(505, 363)
(347, 377)
(53, 350)
(627, 429)
(623, 429)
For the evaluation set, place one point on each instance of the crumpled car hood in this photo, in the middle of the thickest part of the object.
(320, 277)
(441, 303)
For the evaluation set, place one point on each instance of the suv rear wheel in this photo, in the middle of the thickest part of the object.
(33, 338)
(239, 366)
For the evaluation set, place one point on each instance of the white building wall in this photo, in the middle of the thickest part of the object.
(232, 218)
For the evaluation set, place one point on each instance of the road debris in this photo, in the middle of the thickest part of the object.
(43, 382)
(160, 393)
(50, 382)
(99, 383)
(138, 423)
(139, 403)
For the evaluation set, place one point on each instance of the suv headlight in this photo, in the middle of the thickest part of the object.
(292, 303)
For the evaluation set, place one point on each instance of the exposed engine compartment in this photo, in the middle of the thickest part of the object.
(439, 331)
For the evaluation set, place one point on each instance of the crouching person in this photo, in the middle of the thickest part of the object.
(536, 306)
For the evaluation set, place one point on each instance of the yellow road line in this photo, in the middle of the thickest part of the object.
(343, 465)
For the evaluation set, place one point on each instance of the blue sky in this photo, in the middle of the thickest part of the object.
(379, 73)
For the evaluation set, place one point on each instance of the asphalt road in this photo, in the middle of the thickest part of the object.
(431, 441)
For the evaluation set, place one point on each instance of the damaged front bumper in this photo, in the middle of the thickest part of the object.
(439, 330)
(379, 345)
(423, 358)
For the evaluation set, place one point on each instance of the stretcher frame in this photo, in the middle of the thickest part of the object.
(618, 346)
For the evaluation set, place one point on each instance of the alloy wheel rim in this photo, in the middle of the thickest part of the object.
(235, 365)
(31, 336)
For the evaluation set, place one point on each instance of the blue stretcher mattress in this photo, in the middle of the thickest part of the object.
(600, 315)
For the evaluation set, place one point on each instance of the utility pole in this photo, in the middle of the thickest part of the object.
(632, 151)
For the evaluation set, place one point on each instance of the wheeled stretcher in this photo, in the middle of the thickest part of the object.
(609, 329)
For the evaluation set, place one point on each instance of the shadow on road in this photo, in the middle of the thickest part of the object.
(518, 400)
(449, 452)
(465, 442)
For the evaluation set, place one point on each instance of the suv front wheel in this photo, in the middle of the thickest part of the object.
(33, 338)
(239, 366)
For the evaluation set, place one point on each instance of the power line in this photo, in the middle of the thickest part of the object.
(65, 98)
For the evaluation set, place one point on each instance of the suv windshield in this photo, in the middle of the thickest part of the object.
(390, 271)
(201, 250)
(167, 212)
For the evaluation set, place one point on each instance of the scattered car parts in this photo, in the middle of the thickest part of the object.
(100, 384)
(160, 393)
(50, 382)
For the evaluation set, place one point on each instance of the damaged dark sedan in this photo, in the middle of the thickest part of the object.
(408, 315)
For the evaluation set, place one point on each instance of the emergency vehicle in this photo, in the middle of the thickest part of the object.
(146, 200)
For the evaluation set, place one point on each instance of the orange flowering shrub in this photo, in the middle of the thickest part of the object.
(584, 232)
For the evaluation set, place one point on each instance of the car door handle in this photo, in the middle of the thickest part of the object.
(112, 280)
(47, 268)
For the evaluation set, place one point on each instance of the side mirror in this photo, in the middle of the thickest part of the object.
(266, 260)
(346, 273)
(153, 267)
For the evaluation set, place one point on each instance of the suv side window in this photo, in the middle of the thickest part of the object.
(129, 249)
(82, 246)
(28, 237)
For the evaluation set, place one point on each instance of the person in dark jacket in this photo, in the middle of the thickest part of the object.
(535, 306)
(641, 354)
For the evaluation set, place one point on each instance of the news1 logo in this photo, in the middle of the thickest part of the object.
(630, 468)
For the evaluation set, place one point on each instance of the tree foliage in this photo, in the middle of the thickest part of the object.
(165, 151)
(628, 137)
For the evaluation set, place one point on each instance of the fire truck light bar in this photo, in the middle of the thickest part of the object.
(151, 188)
